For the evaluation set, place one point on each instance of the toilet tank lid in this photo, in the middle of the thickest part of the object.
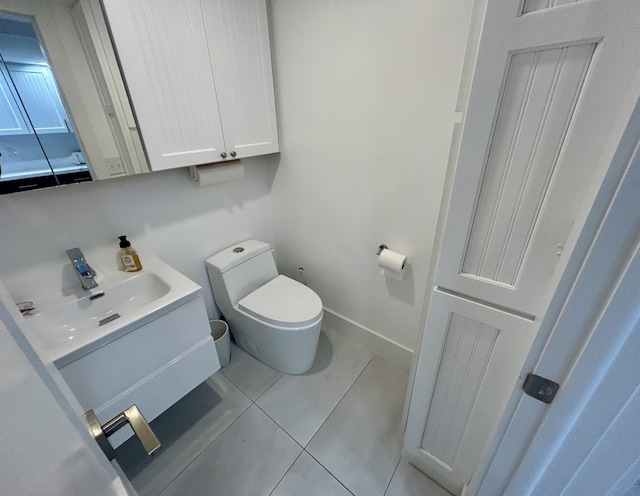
(236, 254)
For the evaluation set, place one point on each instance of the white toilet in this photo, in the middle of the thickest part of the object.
(271, 316)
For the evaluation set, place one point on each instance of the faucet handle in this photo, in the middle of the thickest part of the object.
(83, 267)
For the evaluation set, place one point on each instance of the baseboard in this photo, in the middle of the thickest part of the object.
(398, 354)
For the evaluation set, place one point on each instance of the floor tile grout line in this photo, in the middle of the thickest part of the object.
(253, 403)
(330, 473)
(205, 449)
(261, 394)
(345, 394)
(392, 476)
(316, 431)
(373, 354)
(285, 474)
(279, 426)
(270, 386)
(340, 400)
(282, 375)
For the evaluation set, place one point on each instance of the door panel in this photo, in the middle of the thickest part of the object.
(533, 5)
(40, 97)
(12, 120)
(241, 57)
(531, 144)
(478, 345)
(539, 99)
(162, 47)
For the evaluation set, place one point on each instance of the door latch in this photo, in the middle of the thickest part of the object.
(131, 416)
(540, 388)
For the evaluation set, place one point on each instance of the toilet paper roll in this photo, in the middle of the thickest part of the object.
(392, 263)
(206, 175)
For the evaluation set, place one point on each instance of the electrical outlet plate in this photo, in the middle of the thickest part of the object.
(115, 166)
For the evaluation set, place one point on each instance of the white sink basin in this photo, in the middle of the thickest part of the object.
(70, 327)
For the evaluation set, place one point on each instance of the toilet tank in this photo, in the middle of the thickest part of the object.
(238, 270)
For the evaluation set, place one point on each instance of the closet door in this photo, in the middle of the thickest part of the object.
(238, 37)
(162, 47)
(550, 79)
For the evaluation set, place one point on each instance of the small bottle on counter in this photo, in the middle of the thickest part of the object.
(129, 256)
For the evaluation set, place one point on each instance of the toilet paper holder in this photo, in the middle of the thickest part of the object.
(382, 247)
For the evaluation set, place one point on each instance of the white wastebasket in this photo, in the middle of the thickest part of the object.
(220, 335)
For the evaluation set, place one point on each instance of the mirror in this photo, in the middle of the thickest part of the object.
(64, 112)
(38, 146)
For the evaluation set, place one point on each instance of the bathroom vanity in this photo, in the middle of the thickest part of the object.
(146, 342)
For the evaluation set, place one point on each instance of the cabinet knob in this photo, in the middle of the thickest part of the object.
(233, 154)
(223, 154)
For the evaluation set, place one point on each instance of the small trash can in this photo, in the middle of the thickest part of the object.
(220, 335)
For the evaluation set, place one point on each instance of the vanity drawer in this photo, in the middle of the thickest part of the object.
(160, 360)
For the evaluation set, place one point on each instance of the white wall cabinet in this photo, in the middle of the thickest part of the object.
(199, 76)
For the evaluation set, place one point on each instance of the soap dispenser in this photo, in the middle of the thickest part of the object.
(129, 256)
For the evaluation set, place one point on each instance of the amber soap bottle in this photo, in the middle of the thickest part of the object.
(129, 256)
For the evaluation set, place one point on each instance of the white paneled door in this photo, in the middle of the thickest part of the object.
(547, 89)
(550, 82)
(46, 445)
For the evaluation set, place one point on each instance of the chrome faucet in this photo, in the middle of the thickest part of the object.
(84, 271)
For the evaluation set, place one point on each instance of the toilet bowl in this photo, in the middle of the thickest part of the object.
(271, 316)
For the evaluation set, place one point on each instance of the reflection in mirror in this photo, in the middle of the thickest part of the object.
(85, 129)
(38, 147)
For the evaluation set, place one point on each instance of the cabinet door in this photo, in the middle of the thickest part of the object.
(12, 119)
(162, 48)
(549, 83)
(40, 98)
(238, 36)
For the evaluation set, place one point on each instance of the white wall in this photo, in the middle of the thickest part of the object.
(162, 213)
(366, 96)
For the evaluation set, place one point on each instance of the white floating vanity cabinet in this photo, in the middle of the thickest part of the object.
(199, 76)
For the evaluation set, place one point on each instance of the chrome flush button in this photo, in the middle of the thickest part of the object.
(238, 249)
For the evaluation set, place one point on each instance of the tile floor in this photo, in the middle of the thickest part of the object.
(251, 431)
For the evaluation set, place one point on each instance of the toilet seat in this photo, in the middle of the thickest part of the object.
(283, 302)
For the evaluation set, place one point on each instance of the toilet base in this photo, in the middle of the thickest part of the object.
(291, 351)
